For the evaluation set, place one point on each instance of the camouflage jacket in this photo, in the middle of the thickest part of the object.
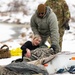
(60, 8)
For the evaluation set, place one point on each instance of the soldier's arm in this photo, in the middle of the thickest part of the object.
(66, 12)
(66, 15)
(54, 35)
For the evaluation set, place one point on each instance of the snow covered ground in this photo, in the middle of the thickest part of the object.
(69, 39)
(6, 33)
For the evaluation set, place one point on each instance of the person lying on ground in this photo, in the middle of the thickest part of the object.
(28, 46)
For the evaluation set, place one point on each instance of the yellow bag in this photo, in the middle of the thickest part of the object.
(16, 52)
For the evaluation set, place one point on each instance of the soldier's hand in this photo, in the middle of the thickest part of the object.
(67, 27)
(53, 49)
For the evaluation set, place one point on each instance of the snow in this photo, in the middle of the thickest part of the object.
(6, 33)
(7, 61)
(69, 39)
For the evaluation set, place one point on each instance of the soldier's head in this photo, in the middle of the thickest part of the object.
(41, 10)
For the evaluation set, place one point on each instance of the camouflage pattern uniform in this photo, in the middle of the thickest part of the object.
(60, 8)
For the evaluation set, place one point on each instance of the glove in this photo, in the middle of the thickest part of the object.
(66, 25)
(53, 49)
